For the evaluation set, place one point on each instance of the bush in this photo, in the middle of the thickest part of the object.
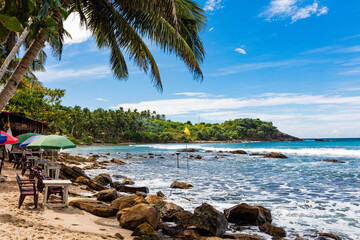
(74, 140)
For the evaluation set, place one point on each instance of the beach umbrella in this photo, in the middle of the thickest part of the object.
(3, 138)
(24, 137)
(10, 139)
(52, 142)
(25, 143)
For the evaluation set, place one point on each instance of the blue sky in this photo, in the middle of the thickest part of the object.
(293, 62)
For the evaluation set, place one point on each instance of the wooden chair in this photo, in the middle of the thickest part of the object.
(51, 190)
(27, 188)
(25, 165)
(17, 161)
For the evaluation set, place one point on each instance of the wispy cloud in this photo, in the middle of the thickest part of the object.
(58, 72)
(78, 33)
(294, 9)
(353, 49)
(190, 105)
(240, 50)
(327, 49)
(212, 5)
(351, 72)
(260, 65)
(193, 94)
(101, 99)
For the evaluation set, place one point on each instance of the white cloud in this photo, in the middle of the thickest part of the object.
(55, 73)
(322, 11)
(78, 33)
(211, 29)
(190, 105)
(240, 50)
(212, 5)
(351, 72)
(305, 12)
(353, 49)
(192, 94)
(101, 99)
(294, 9)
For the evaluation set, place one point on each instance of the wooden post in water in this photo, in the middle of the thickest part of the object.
(177, 162)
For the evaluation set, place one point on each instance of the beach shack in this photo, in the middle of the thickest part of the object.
(20, 124)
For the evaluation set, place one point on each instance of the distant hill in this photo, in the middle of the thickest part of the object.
(244, 129)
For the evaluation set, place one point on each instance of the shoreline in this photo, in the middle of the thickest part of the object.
(143, 143)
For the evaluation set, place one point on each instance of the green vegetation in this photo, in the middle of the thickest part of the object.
(115, 126)
(120, 26)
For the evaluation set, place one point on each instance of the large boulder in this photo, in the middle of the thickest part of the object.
(117, 161)
(128, 199)
(71, 173)
(274, 155)
(154, 199)
(103, 179)
(95, 207)
(329, 236)
(244, 214)
(238, 152)
(242, 236)
(107, 195)
(333, 161)
(181, 185)
(129, 189)
(189, 150)
(128, 181)
(276, 232)
(189, 235)
(143, 229)
(167, 210)
(183, 218)
(153, 236)
(90, 183)
(138, 215)
(209, 220)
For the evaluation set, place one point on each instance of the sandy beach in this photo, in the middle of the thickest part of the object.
(46, 223)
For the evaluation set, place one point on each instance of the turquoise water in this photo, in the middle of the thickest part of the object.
(304, 194)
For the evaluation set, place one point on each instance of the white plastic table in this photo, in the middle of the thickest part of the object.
(57, 183)
(55, 167)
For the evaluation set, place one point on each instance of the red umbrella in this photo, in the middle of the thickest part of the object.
(10, 139)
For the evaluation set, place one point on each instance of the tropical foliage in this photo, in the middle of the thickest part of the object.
(120, 125)
(122, 26)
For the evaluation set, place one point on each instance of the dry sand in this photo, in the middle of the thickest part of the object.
(47, 223)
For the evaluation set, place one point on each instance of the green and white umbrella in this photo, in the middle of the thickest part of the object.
(52, 142)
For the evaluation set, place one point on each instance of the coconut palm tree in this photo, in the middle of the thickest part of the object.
(122, 26)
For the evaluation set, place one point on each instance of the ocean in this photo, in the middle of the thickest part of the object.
(305, 194)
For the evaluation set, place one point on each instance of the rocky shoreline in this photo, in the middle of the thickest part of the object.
(152, 216)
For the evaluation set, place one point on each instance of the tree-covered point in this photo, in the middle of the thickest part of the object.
(120, 125)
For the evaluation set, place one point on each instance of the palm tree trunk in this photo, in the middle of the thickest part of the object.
(10, 87)
(14, 50)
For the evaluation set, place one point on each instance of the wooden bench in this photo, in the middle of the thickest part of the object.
(27, 188)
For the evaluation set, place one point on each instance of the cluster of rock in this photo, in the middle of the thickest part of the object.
(152, 217)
